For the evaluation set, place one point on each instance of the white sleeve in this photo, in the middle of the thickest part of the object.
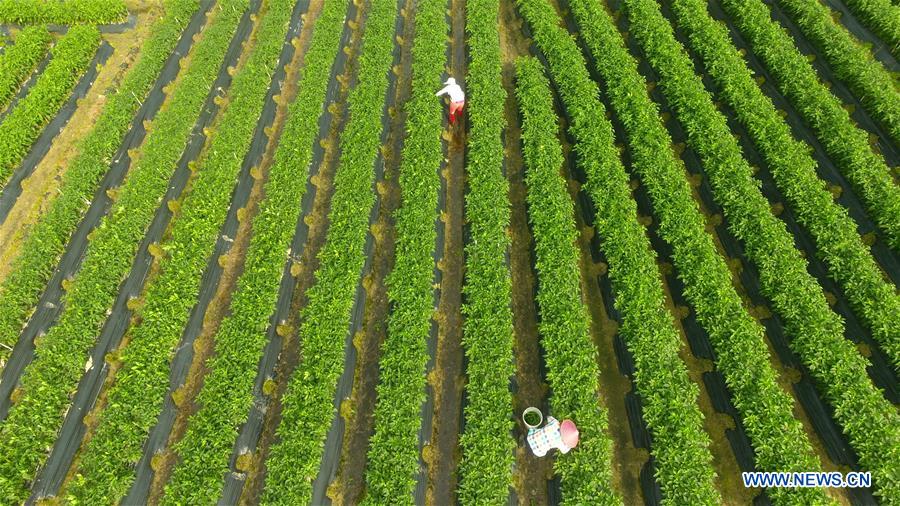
(443, 91)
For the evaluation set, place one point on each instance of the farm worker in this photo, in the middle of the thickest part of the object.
(457, 98)
(563, 437)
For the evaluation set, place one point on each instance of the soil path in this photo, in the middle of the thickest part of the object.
(446, 379)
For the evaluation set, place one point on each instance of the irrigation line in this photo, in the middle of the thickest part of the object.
(41, 146)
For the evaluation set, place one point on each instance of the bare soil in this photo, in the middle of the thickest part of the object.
(349, 484)
(318, 222)
(531, 473)
(42, 186)
(446, 379)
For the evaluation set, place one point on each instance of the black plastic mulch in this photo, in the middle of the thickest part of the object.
(41, 146)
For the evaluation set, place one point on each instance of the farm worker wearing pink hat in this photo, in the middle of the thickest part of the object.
(457, 98)
(563, 437)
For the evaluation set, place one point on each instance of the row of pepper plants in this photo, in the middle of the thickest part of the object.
(227, 394)
(882, 17)
(62, 12)
(45, 242)
(794, 170)
(19, 60)
(106, 468)
(393, 456)
(487, 333)
(845, 143)
(69, 59)
(850, 61)
(869, 419)
(741, 352)
(680, 445)
(565, 326)
(308, 402)
(49, 380)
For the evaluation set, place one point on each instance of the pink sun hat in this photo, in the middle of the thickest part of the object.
(569, 433)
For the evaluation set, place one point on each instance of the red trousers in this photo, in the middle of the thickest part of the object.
(456, 111)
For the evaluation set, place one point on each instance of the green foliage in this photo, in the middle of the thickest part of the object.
(62, 12)
(393, 456)
(565, 324)
(227, 394)
(870, 421)
(42, 247)
(487, 447)
(19, 60)
(741, 352)
(680, 444)
(850, 61)
(845, 143)
(22, 126)
(136, 397)
(50, 379)
(794, 170)
(308, 403)
(882, 17)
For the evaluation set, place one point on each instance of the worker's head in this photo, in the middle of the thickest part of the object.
(569, 433)
(450, 81)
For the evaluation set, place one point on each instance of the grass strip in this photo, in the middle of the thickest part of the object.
(393, 456)
(487, 334)
(19, 60)
(106, 469)
(49, 380)
(794, 170)
(308, 402)
(565, 324)
(62, 12)
(845, 143)
(882, 17)
(680, 445)
(46, 241)
(850, 61)
(70, 58)
(741, 352)
(870, 421)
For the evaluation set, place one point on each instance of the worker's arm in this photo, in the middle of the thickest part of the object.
(443, 91)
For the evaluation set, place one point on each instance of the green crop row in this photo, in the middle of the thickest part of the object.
(393, 457)
(227, 394)
(565, 324)
(106, 469)
(487, 338)
(62, 12)
(869, 419)
(741, 352)
(850, 61)
(49, 380)
(850, 262)
(32, 267)
(19, 60)
(70, 58)
(882, 17)
(680, 445)
(308, 403)
(845, 143)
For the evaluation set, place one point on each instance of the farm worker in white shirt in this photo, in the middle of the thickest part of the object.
(457, 98)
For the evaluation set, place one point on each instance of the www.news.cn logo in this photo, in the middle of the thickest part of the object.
(808, 480)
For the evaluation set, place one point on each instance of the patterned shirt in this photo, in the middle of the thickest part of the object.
(546, 438)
